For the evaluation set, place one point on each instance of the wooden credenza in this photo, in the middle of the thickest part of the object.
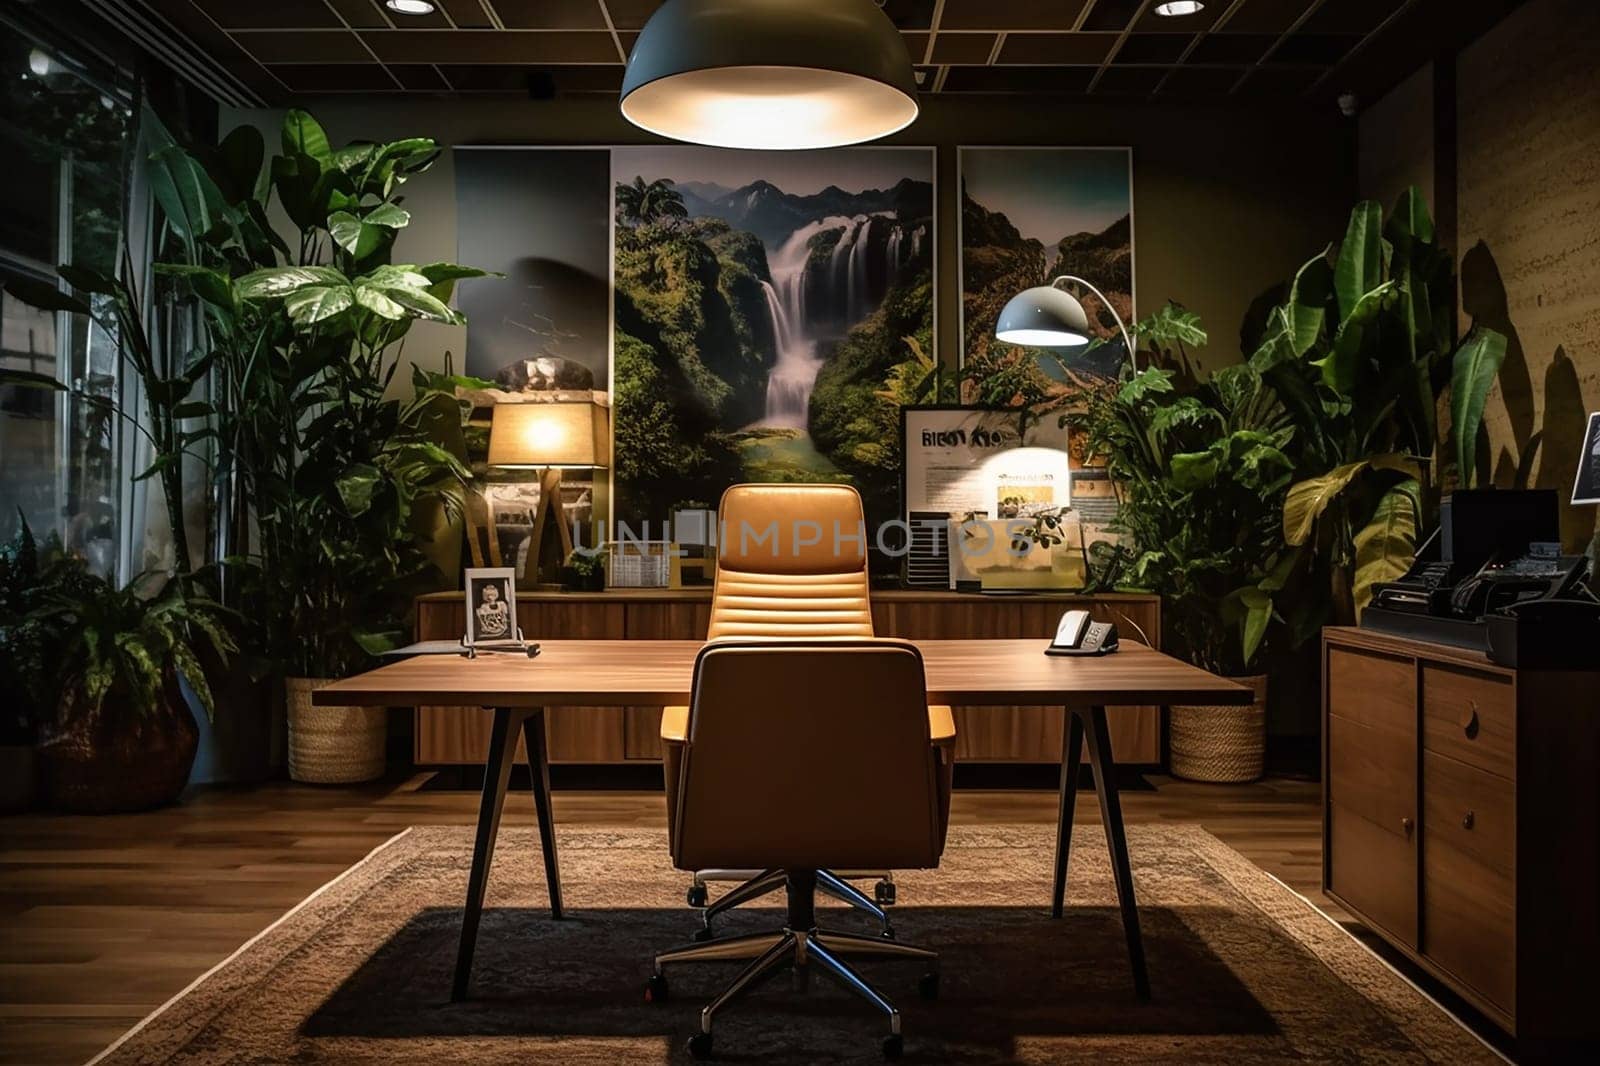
(1461, 823)
(446, 736)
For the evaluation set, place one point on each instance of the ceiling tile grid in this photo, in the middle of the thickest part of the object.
(552, 47)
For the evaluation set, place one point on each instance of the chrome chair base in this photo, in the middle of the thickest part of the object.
(795, 947)
(757, 883)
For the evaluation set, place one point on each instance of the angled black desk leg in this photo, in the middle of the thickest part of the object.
(539, 770)
(1071, 756)
(1098, 736)
(496, 776)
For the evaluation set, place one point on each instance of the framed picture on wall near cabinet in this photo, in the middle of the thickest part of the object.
(1028, 215)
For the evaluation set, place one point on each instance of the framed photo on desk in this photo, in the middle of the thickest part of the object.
(491, 606)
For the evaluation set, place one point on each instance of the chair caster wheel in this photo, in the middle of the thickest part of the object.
(700, 1046)
(893, 1047)
(887, 934)
(883, 892)
(655, 991)
(702, 934)
(696, 895)
(928, 986)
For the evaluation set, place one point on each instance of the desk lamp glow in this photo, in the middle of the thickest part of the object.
(549, 437)
(1047, 317)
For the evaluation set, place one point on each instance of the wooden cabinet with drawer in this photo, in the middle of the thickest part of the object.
(1461, 823)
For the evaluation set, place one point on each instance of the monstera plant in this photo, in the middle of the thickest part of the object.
(1361, 352)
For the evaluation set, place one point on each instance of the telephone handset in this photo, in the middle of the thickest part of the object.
(1076, 635)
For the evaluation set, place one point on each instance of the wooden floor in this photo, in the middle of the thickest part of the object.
(106, 918)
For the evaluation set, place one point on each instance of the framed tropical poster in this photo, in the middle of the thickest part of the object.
(1029, 215)
(773, 310)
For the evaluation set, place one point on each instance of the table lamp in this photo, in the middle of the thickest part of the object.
(549, 437)
(1047, 317)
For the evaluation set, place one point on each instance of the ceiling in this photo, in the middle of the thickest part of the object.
(1242, 48)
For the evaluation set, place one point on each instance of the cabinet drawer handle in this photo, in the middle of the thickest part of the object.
(1469, 724)
(1468, 820)
(1407, 824)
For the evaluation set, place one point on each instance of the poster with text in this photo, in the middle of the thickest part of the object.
(773, 311)
(1029, 215)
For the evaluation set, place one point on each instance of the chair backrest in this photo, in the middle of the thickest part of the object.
(808, 754)
(791, 562)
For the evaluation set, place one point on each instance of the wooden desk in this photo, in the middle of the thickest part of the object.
(610, 673)
(586, 735)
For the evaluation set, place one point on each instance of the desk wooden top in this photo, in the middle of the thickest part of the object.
(622, 673)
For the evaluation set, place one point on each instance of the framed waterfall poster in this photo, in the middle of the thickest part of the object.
(771, 309)
(1028, 215)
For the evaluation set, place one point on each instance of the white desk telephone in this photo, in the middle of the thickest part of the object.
(1076, 635)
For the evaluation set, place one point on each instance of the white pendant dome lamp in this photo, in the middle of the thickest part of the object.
(771, 74)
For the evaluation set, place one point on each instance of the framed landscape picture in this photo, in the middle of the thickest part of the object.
(1029, 215)
(772, 310)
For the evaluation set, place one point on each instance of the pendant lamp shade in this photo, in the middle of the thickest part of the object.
(1043, 317)
(776, 74)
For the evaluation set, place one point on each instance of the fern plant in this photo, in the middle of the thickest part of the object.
(123, 641)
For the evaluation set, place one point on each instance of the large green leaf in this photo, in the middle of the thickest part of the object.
(44, 296)
(208, 284)
(1307, 307)
(302, 135)
(1360, 265)
(1309, 498)
(1257, 605)
(353, 235)
(1387, 544)
(1194, 470)
(357, 486)
(280, 281)
(314, 303)
(1410, 219)
(1341, 366)
(378, 302)
(1476, 365)
(238, 169)
(391, 215)
(193, 205)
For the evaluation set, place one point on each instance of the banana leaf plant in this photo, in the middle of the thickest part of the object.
(1361, 352)
(1201, 468)
(323, 469)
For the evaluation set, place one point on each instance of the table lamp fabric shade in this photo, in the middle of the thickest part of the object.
(770, 74)
(536, 435)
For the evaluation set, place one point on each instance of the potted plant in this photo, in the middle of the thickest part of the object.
(1362, 352)
(122, 737)
(331, 477)
(29, 658)
(584, 572)
(1201, 469)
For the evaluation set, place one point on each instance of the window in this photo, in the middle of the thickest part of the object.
(66, 130)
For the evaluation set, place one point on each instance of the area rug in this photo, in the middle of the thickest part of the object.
(1242, 969)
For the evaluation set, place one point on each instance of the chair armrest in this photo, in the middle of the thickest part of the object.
(675, 725)
(941, 724)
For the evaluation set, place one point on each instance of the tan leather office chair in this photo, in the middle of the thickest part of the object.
(769, 720)
(792, 564)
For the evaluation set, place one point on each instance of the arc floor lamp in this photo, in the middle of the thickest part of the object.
(1045, 316)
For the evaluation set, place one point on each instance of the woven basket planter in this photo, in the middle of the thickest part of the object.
(332, 745)
(1221, 744)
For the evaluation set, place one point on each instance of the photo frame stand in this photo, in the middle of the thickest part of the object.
(517, 643)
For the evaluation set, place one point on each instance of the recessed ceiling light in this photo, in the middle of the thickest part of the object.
(409, 7)
(1176, 8)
